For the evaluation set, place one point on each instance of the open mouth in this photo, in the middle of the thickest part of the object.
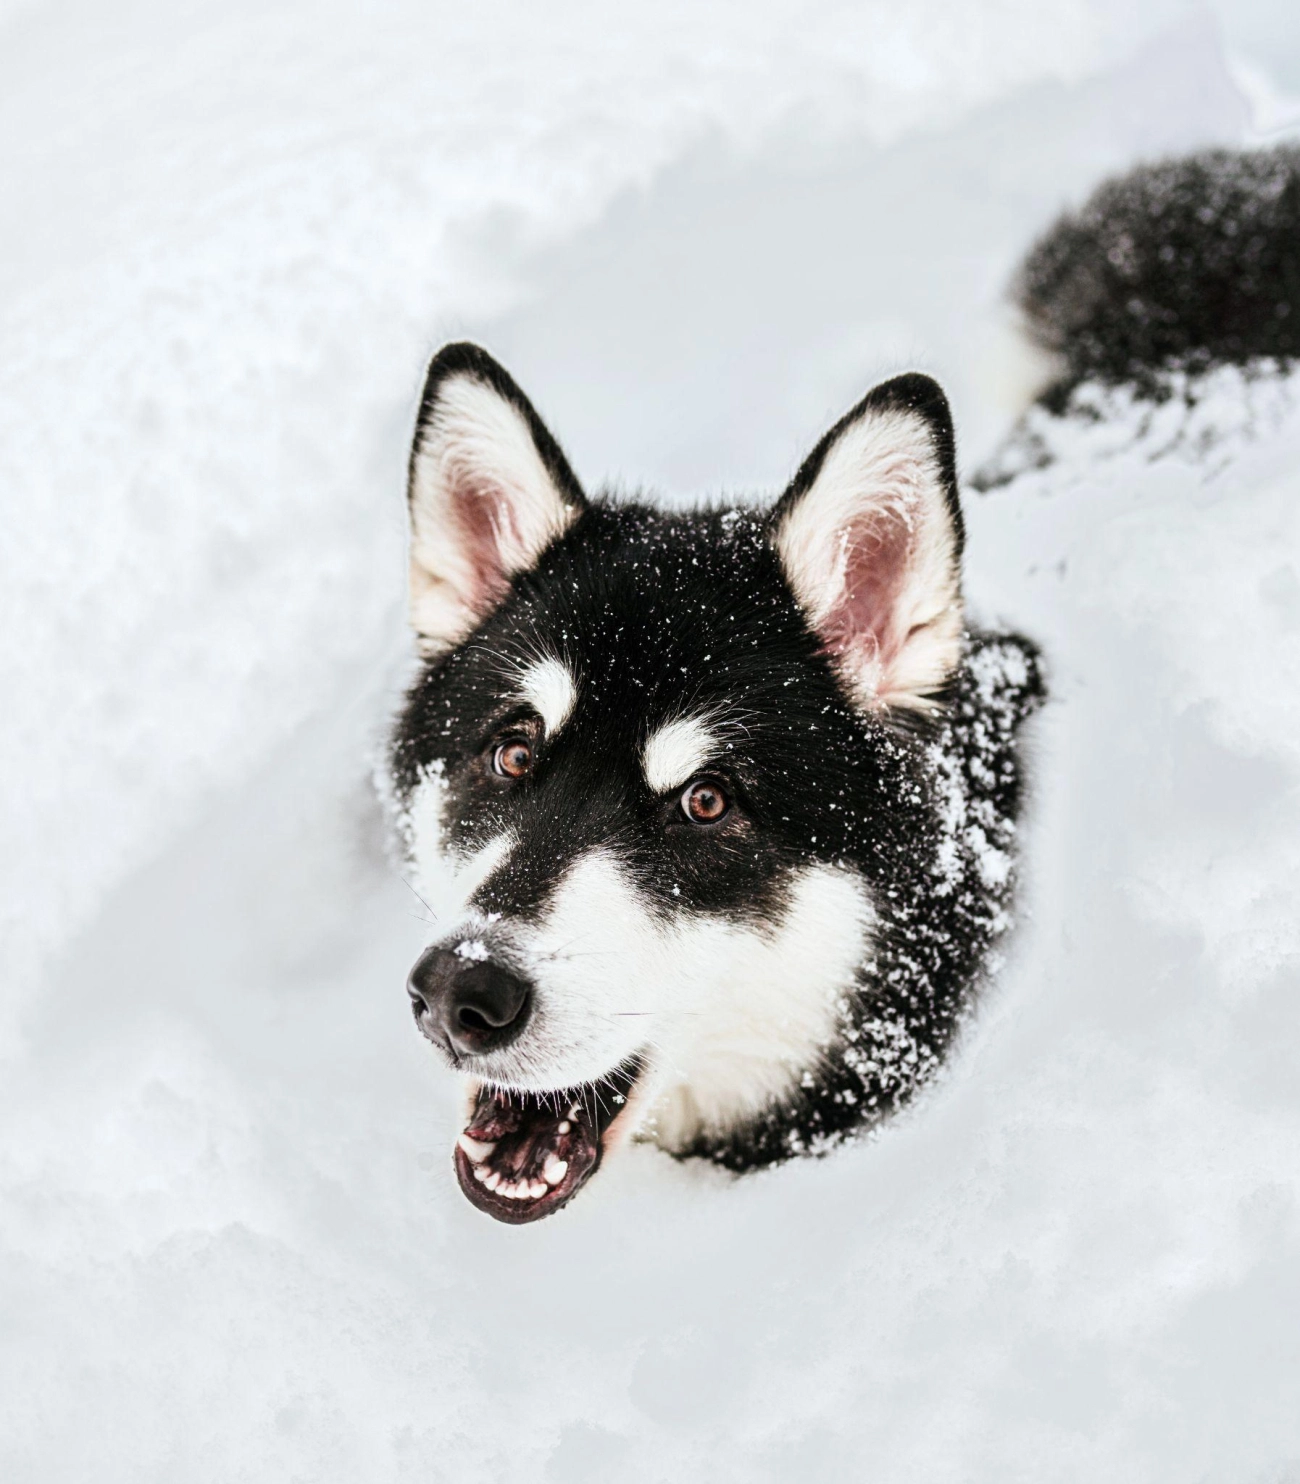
(523, 1155)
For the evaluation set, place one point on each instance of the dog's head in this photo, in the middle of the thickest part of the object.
(646, 766)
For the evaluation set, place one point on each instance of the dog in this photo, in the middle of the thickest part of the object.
(716, 812)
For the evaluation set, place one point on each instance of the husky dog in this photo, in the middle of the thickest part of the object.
(715, 812)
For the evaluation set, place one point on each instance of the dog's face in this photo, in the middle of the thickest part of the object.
(646, 767)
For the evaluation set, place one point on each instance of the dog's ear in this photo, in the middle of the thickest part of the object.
(870, 537)
(489, 491)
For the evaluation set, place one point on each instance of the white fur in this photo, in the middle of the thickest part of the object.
(548, 686)
(444, 879)
(882, 464)
(730, 1014)
(676, 752)
(476, 446)
(770, 1011)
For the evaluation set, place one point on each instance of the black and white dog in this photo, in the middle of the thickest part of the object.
(716, 811)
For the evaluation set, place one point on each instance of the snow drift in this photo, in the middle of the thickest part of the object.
(232, 1242)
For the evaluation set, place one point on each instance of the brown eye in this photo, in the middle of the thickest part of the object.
(705, 801)
(512, 758)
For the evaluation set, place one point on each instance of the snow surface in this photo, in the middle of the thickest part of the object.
(232, 1243)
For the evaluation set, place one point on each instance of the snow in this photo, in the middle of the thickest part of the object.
(233, 1246)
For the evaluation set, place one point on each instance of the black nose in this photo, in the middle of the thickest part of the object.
(471, 1006)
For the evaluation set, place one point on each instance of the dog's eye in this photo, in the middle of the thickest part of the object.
(705, 801)
(512, 758)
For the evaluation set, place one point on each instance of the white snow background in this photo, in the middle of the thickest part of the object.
(232, 1245)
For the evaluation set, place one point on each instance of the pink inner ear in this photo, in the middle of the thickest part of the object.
(486, 524)
(863, 625)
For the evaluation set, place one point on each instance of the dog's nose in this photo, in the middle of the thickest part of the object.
(472, 1006)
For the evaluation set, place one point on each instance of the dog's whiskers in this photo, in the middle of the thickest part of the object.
(433, 916)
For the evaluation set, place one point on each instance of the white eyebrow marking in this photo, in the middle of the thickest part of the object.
(676, 752)
(550, 689)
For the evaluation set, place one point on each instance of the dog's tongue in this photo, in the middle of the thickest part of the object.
(524, 1155)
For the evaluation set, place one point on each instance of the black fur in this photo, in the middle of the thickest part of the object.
(940, 915)
(1177, 266)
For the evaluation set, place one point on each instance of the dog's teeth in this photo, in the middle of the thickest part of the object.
(564, 1127)
(477, 1151)
(573, 1112)
(537, 1188)
(555, 1169)
(492, 1180)
(481, 1173)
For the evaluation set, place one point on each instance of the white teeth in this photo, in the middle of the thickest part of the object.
(564, 1127)
(523, 1189)
(573, 1112)
(477, 1151)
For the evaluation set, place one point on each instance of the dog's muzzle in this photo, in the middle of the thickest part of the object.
(468, 1006)
(522, 1155)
